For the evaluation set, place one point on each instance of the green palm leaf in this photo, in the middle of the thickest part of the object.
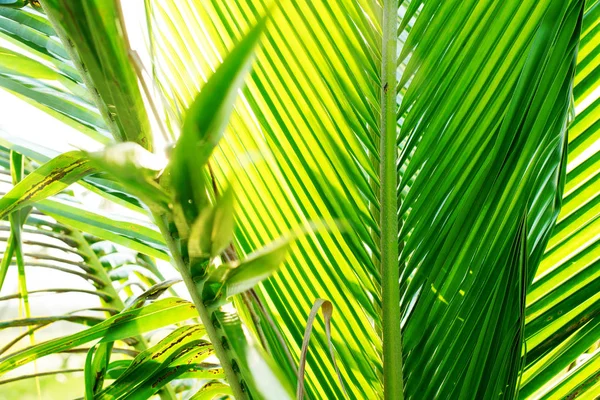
(42, 74)
(562, 303)
(104, 63)
(478, 148)
(88, 267)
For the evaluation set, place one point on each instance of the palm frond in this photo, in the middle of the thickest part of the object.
(286, 186)
(94, 33)
(54, 174)
(37, 68)
(485, 147)
(563, 309)
(84, 265)
(479, 149)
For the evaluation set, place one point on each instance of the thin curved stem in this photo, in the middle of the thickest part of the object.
(203, 312)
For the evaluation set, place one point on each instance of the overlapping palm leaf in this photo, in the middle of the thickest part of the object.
(274, 196)
(481, 150)
(86, 266)
(36, 67)
(563, 309)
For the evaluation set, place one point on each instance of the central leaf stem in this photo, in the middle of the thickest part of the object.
(390, 273)
(205, 315)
